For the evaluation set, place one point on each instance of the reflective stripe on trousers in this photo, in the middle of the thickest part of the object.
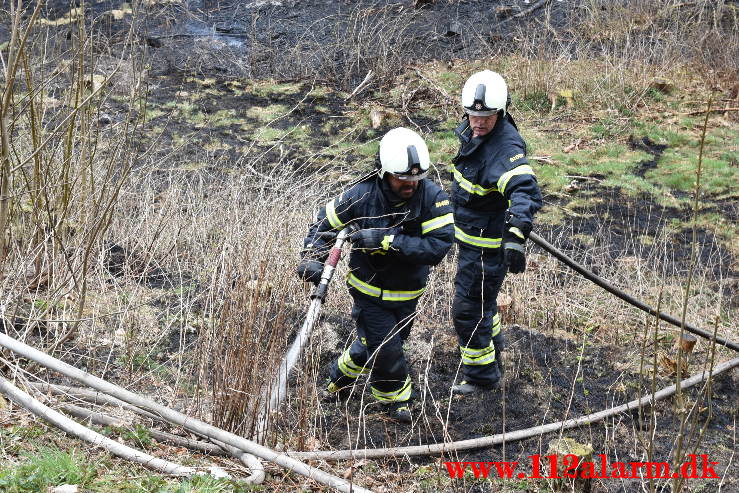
(384, 294)
(349, 367)
(400, 395)
(477, 357)
(478, 241)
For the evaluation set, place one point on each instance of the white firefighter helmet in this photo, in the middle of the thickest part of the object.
(403, 154)
(484, 94)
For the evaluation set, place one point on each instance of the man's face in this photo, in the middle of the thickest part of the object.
(402, 188)
(482, 125)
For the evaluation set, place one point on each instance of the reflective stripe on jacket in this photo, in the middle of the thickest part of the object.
(490, 175)
(422, 229)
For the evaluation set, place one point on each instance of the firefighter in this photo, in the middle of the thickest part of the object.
(494, 195)
(403, 225)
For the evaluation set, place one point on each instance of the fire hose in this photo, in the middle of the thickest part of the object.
(279, 385)
(591, 276)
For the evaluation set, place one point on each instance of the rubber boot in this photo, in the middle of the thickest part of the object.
(400, 411)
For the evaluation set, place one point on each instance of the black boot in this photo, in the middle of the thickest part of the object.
(465, 388)
(400, 411)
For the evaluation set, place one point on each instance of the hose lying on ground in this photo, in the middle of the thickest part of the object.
(624, 296)
(438, 448)
(105, 420)
(72, 427)
(177, 418)
(252, 462)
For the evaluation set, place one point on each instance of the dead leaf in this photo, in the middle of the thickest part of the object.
(504, 303)
(670, 366)
(350, 470)
(572, 147)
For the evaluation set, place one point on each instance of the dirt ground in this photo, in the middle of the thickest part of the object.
(550, 376)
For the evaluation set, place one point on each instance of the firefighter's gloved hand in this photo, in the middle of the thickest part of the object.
(310, 270)
(327, 236)
(372, 239)
(513, 249)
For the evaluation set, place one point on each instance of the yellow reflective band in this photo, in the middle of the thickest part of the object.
(400, 395)
(496, 324)
(388, 295)
(517, 232)
(524, 169)
(349, 368)
(477, 241)
(477, 357)
(385, 294)
(469, 186)
(333, 219)
(362, 286)
(436, 223)
(387, 240)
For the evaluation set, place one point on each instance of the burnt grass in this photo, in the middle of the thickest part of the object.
(549, 377)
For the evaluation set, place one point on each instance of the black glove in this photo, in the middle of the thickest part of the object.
(326, 239)
(310, 270)
(515, 233)
(372, 239)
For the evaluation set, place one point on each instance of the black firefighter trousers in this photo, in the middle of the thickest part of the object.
(480, 274)
(382, 327)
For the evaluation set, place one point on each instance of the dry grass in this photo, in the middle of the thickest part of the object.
(205, 300)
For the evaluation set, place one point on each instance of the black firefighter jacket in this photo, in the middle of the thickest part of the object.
(491, 175)
(423, 229)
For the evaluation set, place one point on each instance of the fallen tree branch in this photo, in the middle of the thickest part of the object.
(93, 397)
(161, 436)
(712, 110)
(180, 419)
(439, 89)
(439, 448)
(73, 428)
(362, 85)
(527, 11)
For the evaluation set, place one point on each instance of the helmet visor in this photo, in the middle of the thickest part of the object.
(410, 177)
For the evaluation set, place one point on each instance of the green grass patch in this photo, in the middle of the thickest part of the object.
(46, 468)
(267, 113)
(677, 170)
(442, 146)
(607, 159)
(267, 88)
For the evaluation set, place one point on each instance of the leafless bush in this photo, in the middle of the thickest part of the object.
(63, 164)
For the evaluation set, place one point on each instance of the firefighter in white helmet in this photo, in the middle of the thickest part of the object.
(494, 195)
(404, 226)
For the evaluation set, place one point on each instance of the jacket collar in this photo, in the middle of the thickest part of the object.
(469, 143)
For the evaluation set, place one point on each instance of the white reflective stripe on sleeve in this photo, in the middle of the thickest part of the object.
(524, 169)
(436, 223)
(333, 219)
